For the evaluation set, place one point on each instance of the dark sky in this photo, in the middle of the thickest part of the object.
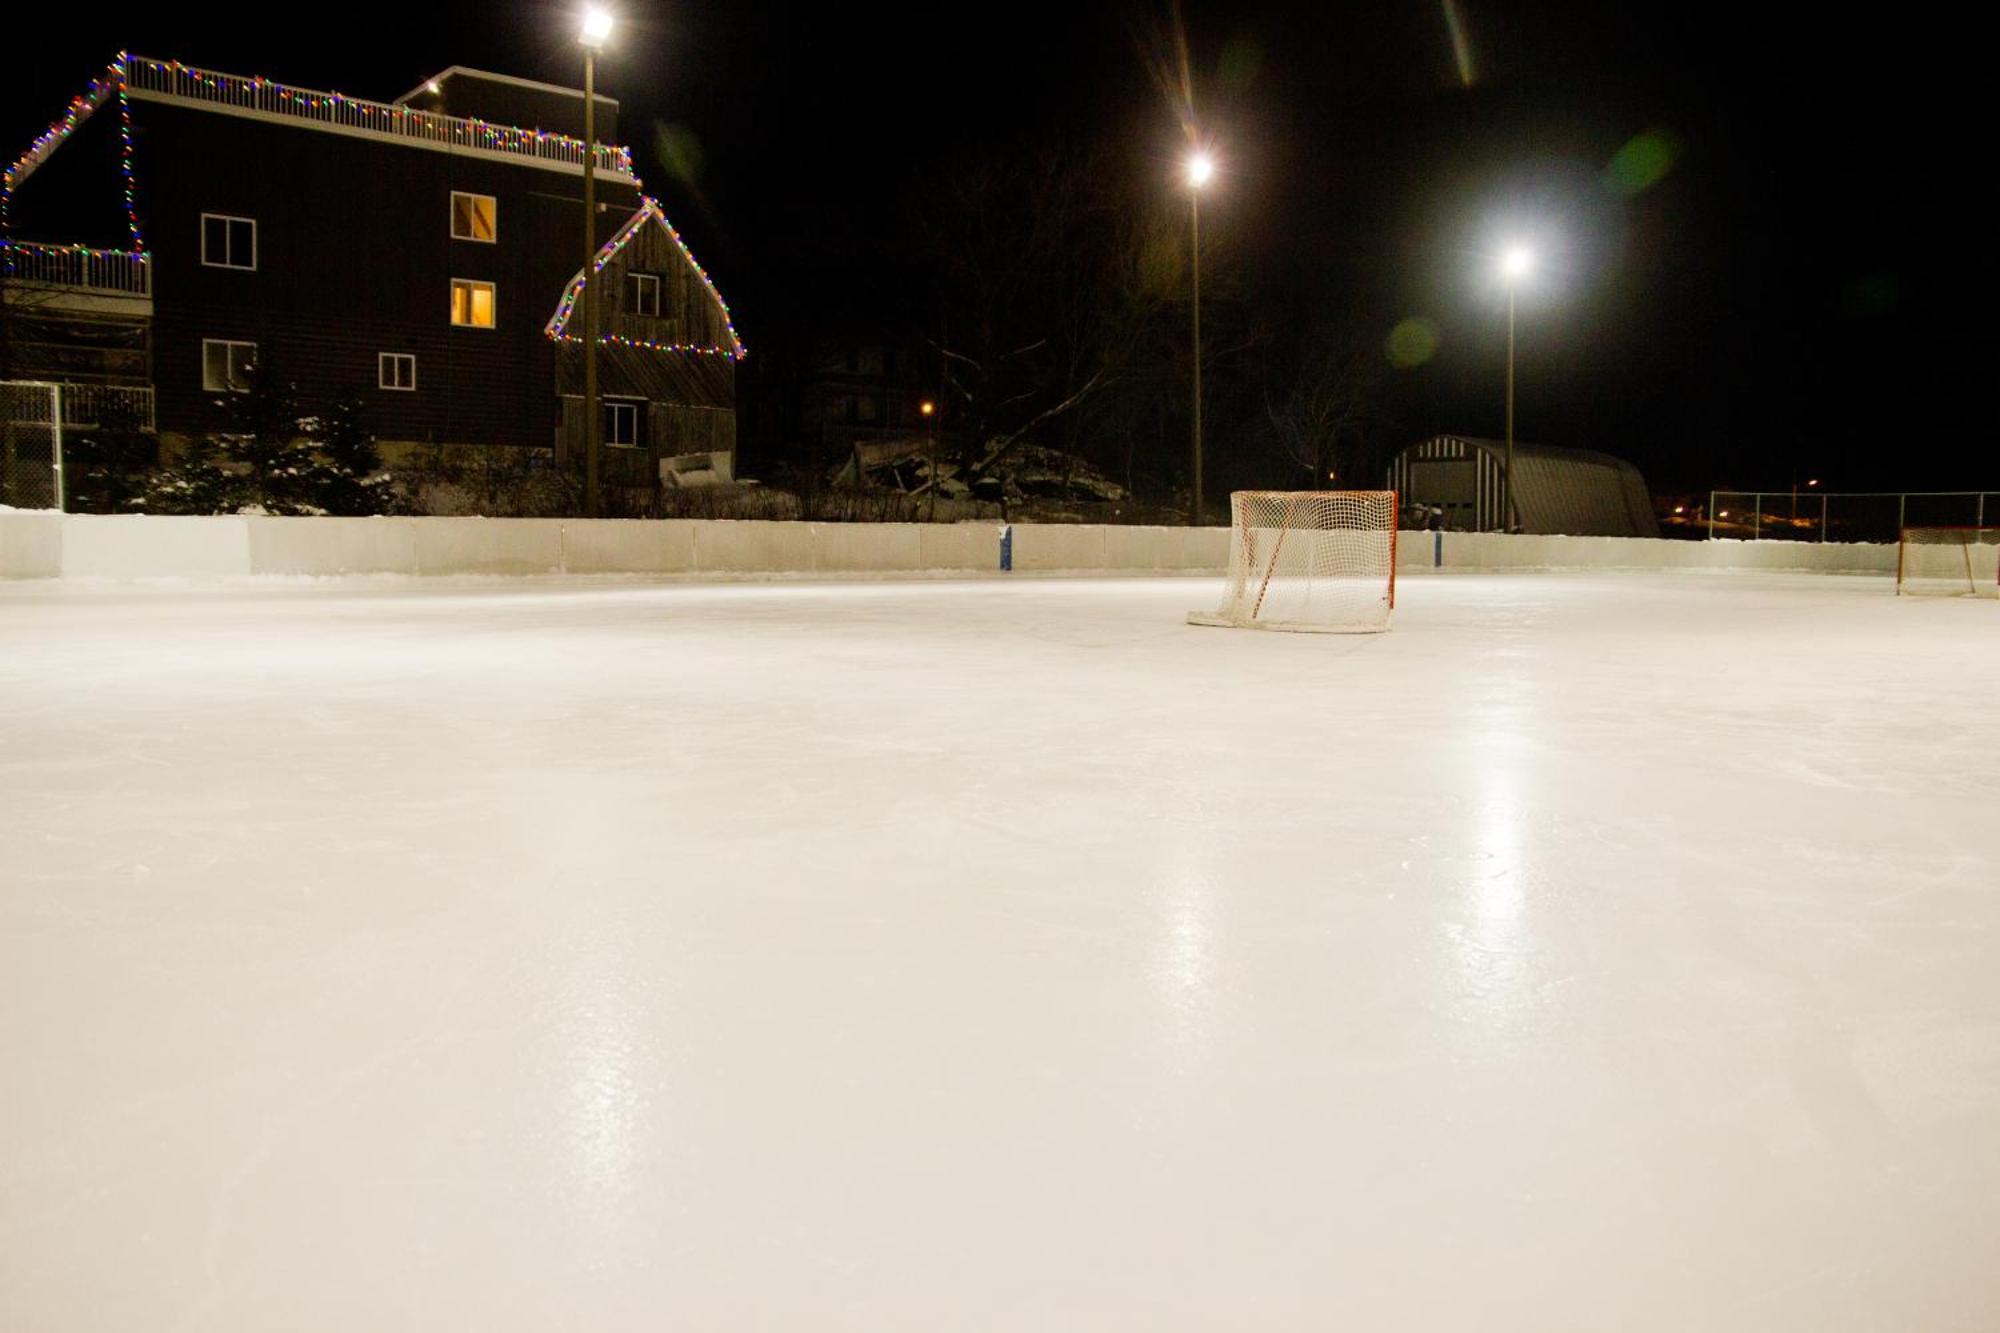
(1805, 290)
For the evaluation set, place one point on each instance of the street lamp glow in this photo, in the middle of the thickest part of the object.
(927, 407)
(1515, 263)
(1200, 166)
(596, 28)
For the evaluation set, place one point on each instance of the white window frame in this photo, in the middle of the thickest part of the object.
(230, 361)
(457, 195)
(642, 283)
(631, 405)
(494, 303)
(227, 261)
(385, 380)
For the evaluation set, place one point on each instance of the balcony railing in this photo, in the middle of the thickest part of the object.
(119, 272)
(144, 75)
(85, 405)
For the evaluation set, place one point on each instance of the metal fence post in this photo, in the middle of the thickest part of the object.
(1757, 516)
(55, 416)
(1902, 512)
(1711, 515)
(1822, 515)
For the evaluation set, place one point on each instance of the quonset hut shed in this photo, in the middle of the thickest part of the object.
(1570, 491)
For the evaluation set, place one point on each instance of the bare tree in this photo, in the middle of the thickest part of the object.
(1050, 280)
(1321, 422)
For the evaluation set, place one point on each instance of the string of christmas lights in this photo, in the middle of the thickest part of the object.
(125, 154)
(619, 340)
(80, 109)
(259, 93)
(558, 324)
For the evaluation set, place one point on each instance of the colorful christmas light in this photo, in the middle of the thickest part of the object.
(81, 109)
(177, 79)
(649, 208)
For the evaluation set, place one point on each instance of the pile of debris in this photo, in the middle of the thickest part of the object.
(1024, 471)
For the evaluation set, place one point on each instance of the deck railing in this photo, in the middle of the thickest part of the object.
(144, 75)
(127, 405)
(123, 272)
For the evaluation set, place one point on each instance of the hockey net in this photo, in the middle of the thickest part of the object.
(1949, 562)
(1320, 561)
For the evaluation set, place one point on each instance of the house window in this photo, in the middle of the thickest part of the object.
(396, 370)
(869, 408)
(621, 423)
(228, 242)
(643, 293)
(471, 303)
(226, 367)
(473, 217)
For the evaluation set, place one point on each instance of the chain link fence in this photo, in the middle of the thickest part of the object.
(31, 433)
(1812, 515)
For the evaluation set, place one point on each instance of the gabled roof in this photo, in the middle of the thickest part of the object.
(649, 214)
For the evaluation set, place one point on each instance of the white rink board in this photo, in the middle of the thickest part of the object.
(1586, 951)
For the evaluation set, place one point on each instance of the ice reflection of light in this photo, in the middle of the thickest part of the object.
(1183, 964)
(1495, 940)
(601, 1100)
(599, 1030)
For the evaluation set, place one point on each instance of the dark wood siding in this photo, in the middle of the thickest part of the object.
(355, 257)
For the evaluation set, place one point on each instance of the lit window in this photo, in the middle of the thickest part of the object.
(396, 370)
(643, 293)
(473, 217)
(471, 303)
(228, 242)
(621, 424)
(226, 367)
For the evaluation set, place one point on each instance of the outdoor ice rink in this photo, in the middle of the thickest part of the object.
(1588, 952)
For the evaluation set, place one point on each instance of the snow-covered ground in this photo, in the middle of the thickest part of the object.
(1585, 953)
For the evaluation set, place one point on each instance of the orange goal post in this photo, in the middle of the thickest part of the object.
(1315, 561)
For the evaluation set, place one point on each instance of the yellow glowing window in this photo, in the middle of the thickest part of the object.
(471, 303)
(472, 217)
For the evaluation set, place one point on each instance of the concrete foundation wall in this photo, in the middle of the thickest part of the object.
(38, 544)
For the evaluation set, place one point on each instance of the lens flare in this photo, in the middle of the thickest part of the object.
(1643, 162)
(1412, 342)
(1461, 44)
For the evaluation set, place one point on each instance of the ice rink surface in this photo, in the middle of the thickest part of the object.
(1608, 952)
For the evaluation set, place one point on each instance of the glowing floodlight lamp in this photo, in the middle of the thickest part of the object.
(1515, 262)
(596, 28)
(1200, 168)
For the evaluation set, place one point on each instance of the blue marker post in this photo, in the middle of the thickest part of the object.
(1006, 547)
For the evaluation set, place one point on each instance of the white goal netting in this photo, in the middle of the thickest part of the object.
(1949, 562)
(1309, 560)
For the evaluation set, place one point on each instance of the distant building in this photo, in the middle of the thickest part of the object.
(862, 393)
(1571, 491)
(180, 227)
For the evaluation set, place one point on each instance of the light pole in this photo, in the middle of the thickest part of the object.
(1200, 166)
(1514, 266)
(595, 32)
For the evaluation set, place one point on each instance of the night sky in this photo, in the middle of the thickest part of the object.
(1804, 290)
